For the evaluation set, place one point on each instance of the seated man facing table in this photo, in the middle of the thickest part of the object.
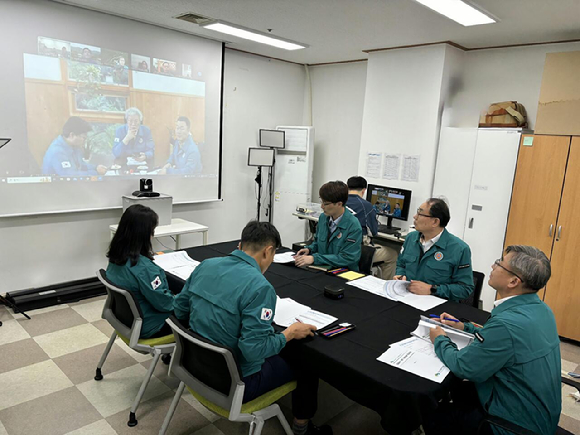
(185, 157)
(229, 301)
(338, 238)
(434, 260)
(134, 139)
(513, 364)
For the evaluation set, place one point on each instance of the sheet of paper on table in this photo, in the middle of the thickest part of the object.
(289, 311)
(396, 290)
(460, 338)
(177, 263)
(285, 257)
(418, 363)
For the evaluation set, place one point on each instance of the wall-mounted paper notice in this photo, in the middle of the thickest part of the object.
(391, 166)
(374, 165)
(411, 168)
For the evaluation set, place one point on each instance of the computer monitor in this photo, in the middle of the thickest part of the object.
(390, 201)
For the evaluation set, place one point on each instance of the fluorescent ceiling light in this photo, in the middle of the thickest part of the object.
(253, 35)
(459, 11)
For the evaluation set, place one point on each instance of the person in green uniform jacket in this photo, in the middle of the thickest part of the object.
(435, 261)
(338, 238)
(514, 362)
(229, 301)
(131, 267)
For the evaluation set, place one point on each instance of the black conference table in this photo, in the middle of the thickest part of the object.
(349, 362)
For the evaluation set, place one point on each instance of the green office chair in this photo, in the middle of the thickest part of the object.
(213, 377)
(125, 316)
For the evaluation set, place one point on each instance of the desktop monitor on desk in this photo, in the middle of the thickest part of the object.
(391, 202)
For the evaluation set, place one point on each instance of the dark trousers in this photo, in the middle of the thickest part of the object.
(276, 372)
(464, 415)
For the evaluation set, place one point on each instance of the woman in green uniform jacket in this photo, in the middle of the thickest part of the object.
(131, 267)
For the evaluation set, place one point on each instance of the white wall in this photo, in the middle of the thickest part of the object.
(338, 94)
(501, 75)
(402, 113)
(258, 93)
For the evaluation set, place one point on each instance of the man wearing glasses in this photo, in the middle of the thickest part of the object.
(435, 261)
(338, 238)
(514, 362)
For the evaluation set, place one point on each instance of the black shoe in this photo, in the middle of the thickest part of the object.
(166, 359)
(318, 430)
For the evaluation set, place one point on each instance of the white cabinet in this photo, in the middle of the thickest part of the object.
(490, 169)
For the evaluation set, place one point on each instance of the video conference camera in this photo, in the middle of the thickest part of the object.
(145, 189)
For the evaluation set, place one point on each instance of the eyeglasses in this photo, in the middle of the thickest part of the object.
(497, 263)
(419, 210)
(325, 203)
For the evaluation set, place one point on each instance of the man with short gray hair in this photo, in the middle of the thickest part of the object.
(134, 140)
(514, 362)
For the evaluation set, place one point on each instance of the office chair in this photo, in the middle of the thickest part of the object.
(365, 264)
(125, 316)
(474, 297)
(518, 430)
(213, 377)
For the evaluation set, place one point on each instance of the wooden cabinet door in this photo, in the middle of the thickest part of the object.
(563, 291)
(537, 191)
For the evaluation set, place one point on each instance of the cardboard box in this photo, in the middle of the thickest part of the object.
(559, 105)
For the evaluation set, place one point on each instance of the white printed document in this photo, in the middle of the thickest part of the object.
(285, 257)
(177, 263)
(396, 290)
(418, 363)
(289, 311)
(460, 338)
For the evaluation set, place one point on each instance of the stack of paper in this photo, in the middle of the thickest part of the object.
(415, 356)
(460, 338)
(289, 311)
(177, 263)
(396, 290)
(285, 257)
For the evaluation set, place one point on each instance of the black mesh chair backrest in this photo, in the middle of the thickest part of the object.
(365, 263)
(204, 364)
(119, 305)
(473, 298)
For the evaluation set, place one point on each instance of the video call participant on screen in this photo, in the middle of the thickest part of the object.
(131, 267)
(134, 139)
(397, 210)
(434, 260)
(514, 363)
(184, 157)
(229, 301)
(64, 156)
(338, 238)
(367, 216)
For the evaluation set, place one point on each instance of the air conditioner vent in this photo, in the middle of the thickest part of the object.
(193, 18)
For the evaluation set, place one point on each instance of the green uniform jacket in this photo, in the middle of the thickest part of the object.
(341, 248)
(447, 265)
(516, 368)
(147, 283)
(229, 302)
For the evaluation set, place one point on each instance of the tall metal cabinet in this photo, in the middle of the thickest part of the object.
(544, 213)
(475, 171)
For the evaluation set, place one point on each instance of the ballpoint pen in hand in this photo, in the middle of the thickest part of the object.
(435, 316)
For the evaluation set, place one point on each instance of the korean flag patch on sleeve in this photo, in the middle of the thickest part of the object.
(156, 282)
(266, 314)
(65, 165)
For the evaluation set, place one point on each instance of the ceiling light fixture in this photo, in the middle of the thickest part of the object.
(253, 35)
(460, 11)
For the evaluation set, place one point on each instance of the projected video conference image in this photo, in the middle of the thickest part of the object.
(127, 113)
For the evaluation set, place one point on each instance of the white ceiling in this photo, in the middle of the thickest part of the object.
(338, 30)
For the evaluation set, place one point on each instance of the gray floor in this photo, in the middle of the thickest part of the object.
(46, 377)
